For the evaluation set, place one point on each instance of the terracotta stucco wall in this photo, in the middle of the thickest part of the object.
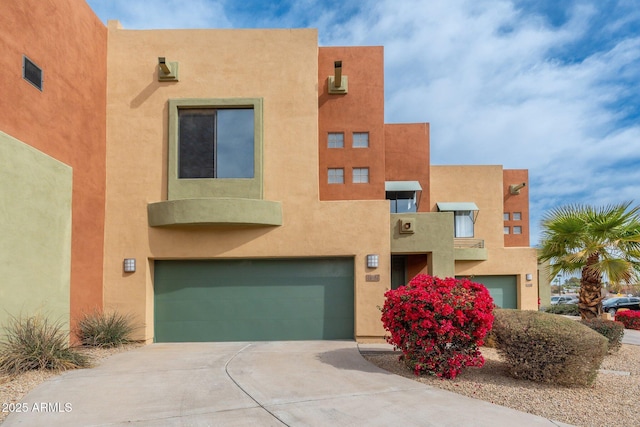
(360, 110)
(484, 186)
(66, 120)
(221, 64)
(407, 157)
(516, 203)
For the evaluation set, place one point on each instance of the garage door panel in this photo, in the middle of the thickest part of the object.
(247, 300)
(503, 289)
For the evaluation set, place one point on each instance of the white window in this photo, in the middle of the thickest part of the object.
(463, 223)
(336, 176)
(517, 230)
(360, 175)
(360, 139)
(506, 216)
(506, 230)
(335, 140)
(517, 216)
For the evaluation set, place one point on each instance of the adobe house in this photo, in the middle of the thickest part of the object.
(230, 185)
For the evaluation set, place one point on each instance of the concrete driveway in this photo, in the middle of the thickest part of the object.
(303, 383)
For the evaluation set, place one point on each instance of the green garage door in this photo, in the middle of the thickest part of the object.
(503, 289)
(254, 300)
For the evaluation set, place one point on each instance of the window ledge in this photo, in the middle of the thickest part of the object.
(218, 211)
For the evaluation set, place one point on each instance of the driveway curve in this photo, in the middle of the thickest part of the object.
(296, 383)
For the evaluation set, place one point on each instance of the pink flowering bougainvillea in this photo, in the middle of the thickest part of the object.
(630, 319)
(438, 324)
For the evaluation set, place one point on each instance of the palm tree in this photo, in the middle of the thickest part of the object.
(595, 242)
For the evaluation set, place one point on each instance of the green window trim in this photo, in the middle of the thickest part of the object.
(247, 188)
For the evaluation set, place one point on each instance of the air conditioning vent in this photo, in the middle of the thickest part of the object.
(407, 226)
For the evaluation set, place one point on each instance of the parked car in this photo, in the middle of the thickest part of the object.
(612, 305)
(564, 299)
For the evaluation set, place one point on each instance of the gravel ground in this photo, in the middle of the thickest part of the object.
(12, 389)
(613, 400)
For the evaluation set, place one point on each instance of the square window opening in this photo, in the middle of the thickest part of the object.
(360, 175)
(517, 216)
(361, 140)
(335, 176)
(335, 140)
(216, 143)
(517, 230)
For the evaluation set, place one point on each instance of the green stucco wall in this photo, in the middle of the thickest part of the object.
(35, 224)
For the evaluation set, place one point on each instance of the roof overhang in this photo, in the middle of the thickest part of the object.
(402, 186)
(457, 206)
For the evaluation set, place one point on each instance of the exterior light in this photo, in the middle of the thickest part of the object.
(529, 276)
(129, 265)
(373, 260)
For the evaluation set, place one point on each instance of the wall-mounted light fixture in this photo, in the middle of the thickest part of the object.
(515, 188)
(338, 84)
(373, 260)
(129, 265)
(167, 71)
(529, 276)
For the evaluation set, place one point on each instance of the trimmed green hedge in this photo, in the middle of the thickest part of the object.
(566, 309)
(611, 330)
(545, 348)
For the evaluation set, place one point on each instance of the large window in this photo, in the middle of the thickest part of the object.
(215, 148)
(463, 225)
(216, 143)
(402, 201)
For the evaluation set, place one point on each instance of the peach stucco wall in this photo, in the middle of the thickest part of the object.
(279, 66)
(66, 120)
(360, 110)
(483, 185)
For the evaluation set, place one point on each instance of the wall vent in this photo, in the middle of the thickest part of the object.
(31, 72)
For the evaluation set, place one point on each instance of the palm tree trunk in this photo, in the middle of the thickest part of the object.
(590, 304)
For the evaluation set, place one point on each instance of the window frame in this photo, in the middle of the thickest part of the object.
(329, 142)
(329, 175)
(517, 216)
(505, 216)
(517, 229)
(353, 140)
(188, 188)
(506, 230)
(353, 175)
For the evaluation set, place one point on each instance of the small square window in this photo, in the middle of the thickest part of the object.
(506, 230)
(361, 139)
(506, 216)
(31, 72)
(336, 176)
(517, 216)
(517, 230)
(335, 140)
(360, 175)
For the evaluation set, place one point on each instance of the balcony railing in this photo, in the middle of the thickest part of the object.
(468, 243)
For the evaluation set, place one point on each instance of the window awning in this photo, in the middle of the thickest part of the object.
(402, 186)
(457, 206)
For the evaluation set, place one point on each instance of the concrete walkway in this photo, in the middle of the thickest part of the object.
(631, 337)
(316, 383)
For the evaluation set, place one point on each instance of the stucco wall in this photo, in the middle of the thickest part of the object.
(516, 203)
(359, 110)
(279, 66)
(484, 186)
(66, 120)
(35, 255)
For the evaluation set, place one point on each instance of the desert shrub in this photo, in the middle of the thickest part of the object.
(438, 324)
(611, 330)
(566, 309)
(37, 343)
(630, 319)
(99, 329)
(540, 347)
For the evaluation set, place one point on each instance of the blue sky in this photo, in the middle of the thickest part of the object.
(546, 85)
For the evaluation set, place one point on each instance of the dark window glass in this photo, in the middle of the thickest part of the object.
(402, 201)
(216, 143)
(32, 73)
